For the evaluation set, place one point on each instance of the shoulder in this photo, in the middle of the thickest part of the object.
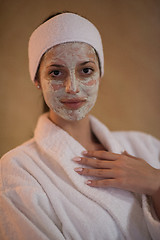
(135, 138)
(15, 166)
(140, 144)
(18, 152)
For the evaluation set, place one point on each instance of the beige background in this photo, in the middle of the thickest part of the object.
(129, 97)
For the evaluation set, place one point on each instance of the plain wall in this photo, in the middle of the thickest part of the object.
(129, 96)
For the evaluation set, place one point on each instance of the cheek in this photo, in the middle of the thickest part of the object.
(91, 83)
(51, 86)
(91, 87)
(52, 96)
(56, 86)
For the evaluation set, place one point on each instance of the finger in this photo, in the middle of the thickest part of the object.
(113, 182)
(92, 162)
(102, 155)
(102, 183)
(128, 155)
(107, 173)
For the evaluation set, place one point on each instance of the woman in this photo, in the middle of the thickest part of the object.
(75, 179)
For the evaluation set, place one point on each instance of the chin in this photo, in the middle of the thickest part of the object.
(73, 117)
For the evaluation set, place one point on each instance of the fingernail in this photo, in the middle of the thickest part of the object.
(78, 169)
(77, 159)
(88, 182)
(84, 152)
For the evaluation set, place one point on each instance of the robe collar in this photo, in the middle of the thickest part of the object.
(47, 133)
(61, 147)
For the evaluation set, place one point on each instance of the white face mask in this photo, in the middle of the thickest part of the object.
(69, 76)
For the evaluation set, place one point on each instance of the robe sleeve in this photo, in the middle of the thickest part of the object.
(25, 210)
(26, 214)
(151, 219)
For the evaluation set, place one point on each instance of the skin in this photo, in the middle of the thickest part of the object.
(70, 71)
(72, 83)
(112, 170)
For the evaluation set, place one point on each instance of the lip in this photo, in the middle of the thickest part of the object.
(73, 103)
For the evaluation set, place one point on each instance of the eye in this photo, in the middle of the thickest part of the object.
(56, 73)
(87, 71)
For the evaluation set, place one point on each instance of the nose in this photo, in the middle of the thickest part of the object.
(71, 85)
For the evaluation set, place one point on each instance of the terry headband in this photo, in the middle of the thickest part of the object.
(63, 28)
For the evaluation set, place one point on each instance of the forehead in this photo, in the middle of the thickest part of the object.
(73, 50)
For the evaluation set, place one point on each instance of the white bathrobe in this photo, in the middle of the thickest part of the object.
(42, 197)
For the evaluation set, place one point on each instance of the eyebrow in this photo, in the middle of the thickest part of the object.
(55, 65)
(86, 62)
(59, 65)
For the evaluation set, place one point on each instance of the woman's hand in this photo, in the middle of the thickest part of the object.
(120, 171)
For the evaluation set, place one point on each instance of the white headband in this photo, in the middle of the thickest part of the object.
(66, 27)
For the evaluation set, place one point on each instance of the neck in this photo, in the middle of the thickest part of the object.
(79, 130)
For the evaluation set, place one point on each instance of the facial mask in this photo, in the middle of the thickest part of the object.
(73, 93)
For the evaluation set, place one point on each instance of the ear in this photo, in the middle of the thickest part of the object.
(37, 83)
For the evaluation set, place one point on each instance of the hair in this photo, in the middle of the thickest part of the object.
(45, 106)
(56, 14)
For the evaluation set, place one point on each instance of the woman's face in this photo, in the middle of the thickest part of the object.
(69, 76)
